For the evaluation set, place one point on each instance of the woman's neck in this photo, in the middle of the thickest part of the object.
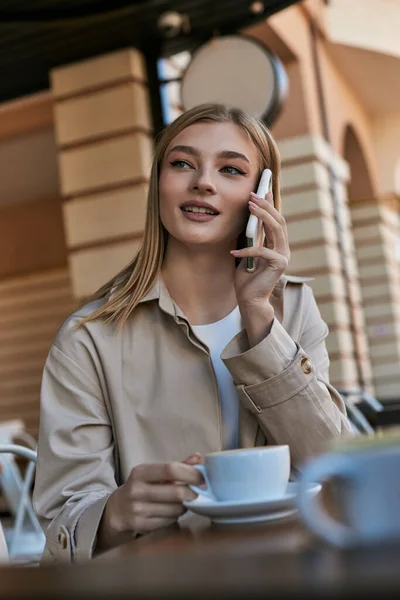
(201, 282)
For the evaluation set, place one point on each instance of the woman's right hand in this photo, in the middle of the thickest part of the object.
(152, 497)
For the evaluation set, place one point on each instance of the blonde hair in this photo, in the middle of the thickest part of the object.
(132, 284)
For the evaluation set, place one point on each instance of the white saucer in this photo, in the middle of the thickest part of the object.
(249, 511)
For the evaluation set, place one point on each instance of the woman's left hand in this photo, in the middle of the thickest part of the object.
(253, 290)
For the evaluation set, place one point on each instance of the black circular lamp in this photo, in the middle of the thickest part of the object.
(239, 71)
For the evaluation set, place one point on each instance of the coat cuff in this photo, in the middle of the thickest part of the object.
(85, 533)
(261, 362)
(271, 392)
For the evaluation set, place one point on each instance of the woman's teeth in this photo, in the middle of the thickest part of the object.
(198, 209)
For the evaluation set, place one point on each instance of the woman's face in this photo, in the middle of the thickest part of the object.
(207, 174)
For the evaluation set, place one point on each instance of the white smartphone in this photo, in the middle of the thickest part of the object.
(255, 229)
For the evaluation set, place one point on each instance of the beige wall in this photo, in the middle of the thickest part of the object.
(386, 133)
(378, 136)
(302, 113)
(367, 24)
(294, 117)
(292, 26)
(28, 167)
(309, 212)
(376, 230)
(345, 109)
(360, 182)
(32, 307)
(369, 142)
(372, 27)
(316, 10)
(362, 41)
(31, 220)
(35, 287)
(31, 237)
(104, 139)
(27, 114)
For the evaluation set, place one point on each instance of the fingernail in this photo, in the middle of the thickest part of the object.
(255, 195)
(235, 252)
(252, 204)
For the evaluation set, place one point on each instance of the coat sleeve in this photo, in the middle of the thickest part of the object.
(286, 385)
(75, 471)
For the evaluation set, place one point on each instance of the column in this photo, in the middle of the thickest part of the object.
(104, 139)
(309, 211)
(376, 230)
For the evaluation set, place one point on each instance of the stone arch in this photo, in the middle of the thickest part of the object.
(361, 185)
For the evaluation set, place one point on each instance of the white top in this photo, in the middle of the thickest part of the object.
(216, 336)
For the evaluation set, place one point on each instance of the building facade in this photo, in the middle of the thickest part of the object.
(75, 162)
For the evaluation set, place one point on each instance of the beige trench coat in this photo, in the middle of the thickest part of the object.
(110, 402)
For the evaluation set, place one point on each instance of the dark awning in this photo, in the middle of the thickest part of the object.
(37, 35)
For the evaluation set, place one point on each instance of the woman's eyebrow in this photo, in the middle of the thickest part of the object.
(187, 149)
(232, 154)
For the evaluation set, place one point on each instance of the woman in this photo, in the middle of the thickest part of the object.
(134, 386)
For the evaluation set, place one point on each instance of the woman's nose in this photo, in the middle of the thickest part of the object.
(203, 183)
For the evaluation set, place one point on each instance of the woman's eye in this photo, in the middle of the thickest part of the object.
(181, 164)
(232, 170)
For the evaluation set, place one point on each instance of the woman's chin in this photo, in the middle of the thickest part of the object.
(203, 241)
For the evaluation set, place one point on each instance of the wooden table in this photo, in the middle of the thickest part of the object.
(197, 561)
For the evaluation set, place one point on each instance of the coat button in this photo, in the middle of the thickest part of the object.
(306, 365)
(62, 540)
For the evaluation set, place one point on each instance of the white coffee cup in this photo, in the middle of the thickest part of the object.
(367, 481)
(246, 474)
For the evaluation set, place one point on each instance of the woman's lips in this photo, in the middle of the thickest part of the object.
(198, 216)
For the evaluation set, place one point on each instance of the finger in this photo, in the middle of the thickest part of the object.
(159, 472)
(273, 215)
(160, 492)
(267, 198)
(193, 459)
(270, 199)
(157, 509)
(276, 260)
(267, 204)
(273, 230)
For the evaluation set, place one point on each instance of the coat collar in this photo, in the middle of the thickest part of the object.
(159, 292)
